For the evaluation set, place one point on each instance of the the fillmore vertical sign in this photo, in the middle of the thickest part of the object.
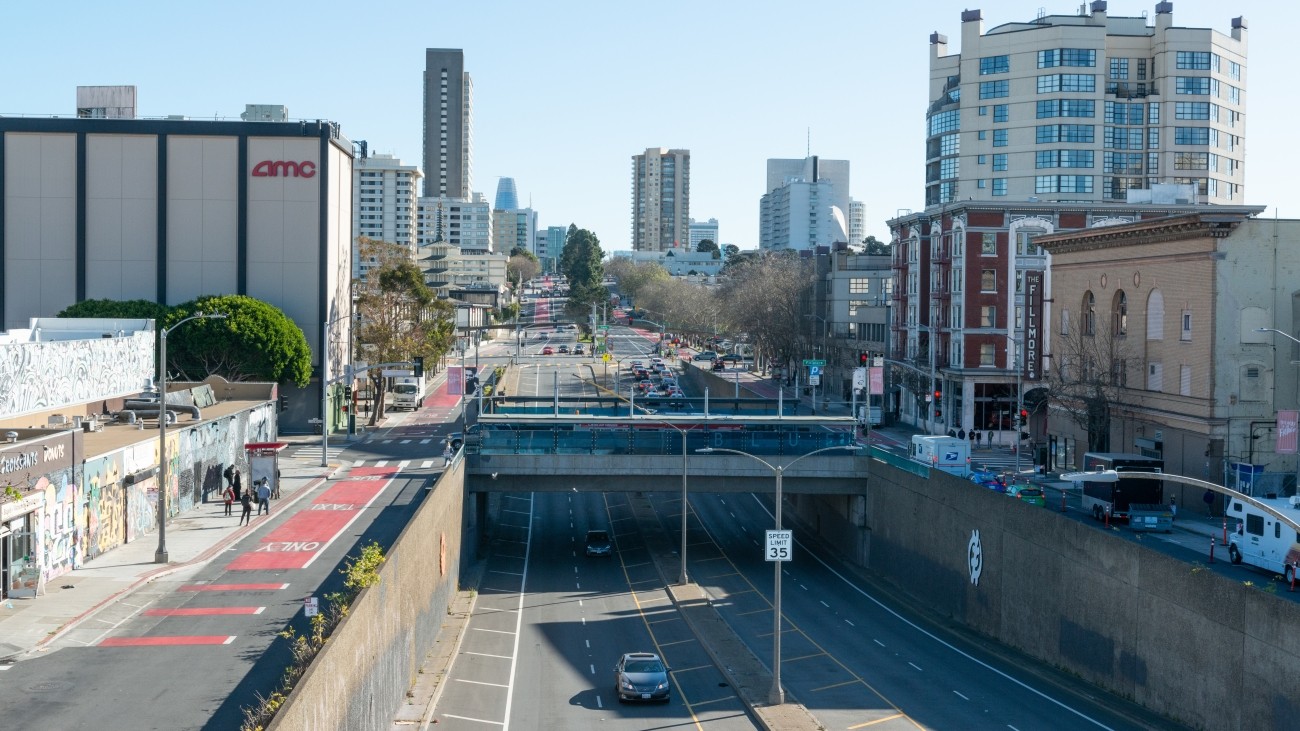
(1033, 334)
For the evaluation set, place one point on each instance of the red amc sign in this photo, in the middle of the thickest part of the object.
(284, 169)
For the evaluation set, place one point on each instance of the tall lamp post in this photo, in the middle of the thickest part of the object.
(160, 555)
(684, 579)
(776, 696)
(324, 386)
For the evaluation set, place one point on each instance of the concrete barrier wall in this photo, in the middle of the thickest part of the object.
(1206, 650)
(361, 676)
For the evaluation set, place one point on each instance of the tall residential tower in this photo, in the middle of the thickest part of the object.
(448, 124)
(661, 199)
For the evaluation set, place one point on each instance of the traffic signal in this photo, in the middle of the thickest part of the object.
(347, 393)
(863, 358)
(938, 395)
(284, 402)
(419, 366)
(1024, 414)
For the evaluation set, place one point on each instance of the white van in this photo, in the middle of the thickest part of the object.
(950, 454)
(1260, 539)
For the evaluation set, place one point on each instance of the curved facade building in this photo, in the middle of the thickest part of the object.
(507, 198)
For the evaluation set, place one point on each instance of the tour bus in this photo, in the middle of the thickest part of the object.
(1259, 539)
(1101, 497)
(949, 454)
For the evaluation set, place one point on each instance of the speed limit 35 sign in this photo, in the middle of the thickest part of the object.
(780, 544)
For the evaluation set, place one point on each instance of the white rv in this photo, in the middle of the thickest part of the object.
(949, 454)
(1259, 539)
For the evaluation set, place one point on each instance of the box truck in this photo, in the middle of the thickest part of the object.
(407, 389)
(949, 454)
(1260, 539)
(1116, 496)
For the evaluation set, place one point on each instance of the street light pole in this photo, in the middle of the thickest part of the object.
(776, 696)
(160, 555)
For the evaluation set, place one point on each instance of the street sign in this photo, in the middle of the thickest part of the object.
(818, 363)
(310, 606)
(606, 357)
(603, 327)
(815, 379)
(859, 377)
(780, 543)
(814, 371)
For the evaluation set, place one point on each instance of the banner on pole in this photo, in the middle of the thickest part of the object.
(455, 380)
(877, 374)
(1286, 431)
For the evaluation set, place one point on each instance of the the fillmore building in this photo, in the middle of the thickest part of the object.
(168, 210)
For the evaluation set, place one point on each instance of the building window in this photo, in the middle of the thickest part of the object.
(1194, 60)
(999, 138)
(982, 134)
(950, 144)
(1089, 314)
(1065, 322)
(1191, 135)
(988, 280)
(1000, 162)
(1048, 108)
(981, 159)
(1192, 85)
(1120, 324)
(1069, 83)
(999, 112)
(987, 353)
(988, 316)
(1186, 333)
(1067, 57)
(994, 89)
(989, 244)
(1119, 68)
(999, 186)
(995, 65)
(859, 285)
(1191, 110)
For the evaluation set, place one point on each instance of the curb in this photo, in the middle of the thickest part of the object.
(170, 568)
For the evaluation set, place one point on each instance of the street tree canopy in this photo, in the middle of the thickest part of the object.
(632, 276)
(580, 261)
(710, 246)
(522, 267)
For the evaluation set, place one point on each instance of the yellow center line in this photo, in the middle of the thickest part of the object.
(878, 720)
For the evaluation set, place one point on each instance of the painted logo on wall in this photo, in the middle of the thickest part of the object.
(975, 557)
(284, 169)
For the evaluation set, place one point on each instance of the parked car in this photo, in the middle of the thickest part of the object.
(733, 358)
(564, 350)
(548, 350)
(641, 676)
(707, 355)
(599, 543)
(1028, 493)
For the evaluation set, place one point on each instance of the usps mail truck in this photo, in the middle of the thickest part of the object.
(949, 454)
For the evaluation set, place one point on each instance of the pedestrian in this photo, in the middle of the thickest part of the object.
(1173, 507)
(446, 454)
(229, 495)
(989, 436)
(263, 497)
(246, 501)
(238, 483)
(1208, 499)
(229, 474)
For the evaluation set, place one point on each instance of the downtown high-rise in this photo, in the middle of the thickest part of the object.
(661, 199)
(448, 124)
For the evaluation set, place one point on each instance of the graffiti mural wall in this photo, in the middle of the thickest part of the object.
(42, 375)
(104, 527)
(59, 528)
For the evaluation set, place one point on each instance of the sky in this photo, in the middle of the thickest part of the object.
(566, 92)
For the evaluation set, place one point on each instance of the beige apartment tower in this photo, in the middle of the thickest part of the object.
(661, 198)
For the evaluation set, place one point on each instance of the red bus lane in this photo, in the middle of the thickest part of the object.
(297, 542)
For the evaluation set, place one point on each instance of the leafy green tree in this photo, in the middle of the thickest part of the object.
(400, 316)
(521, 251)
(580, 261)
(875, 246)
(730, 250)
(124, 309)
(255, 342)
(710, 246)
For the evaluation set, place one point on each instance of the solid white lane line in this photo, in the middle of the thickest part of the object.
(824, 604)
(878, 642)
(508, 573)
(918, 667)
(485, 654)
(474, 720)
(519, 620)
(480, 682)
(959, 695)
(849, 623)
(493, 631)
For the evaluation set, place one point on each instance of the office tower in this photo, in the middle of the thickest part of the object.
(661, 199)
(1086, 107)
(448, 124)
(507, 199)
(550, 245)
(514, 228)
(807, 204)
(384, 196)
(704, 230)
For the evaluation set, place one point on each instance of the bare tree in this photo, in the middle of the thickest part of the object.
(1087, 379)
(766, 299)
(522, 267)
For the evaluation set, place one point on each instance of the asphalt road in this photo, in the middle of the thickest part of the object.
(190, 650)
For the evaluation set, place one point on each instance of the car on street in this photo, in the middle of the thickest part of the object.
(541, 336)
(733, 358)
(719, 365)
(579, 350)
(641, 676)
(548, 350)
(707, 355)
(564, 350)
(1028, 493)
(599, 543)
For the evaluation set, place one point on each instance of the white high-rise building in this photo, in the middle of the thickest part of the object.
(384, 195)
(1087, 107)
(704, 230)
(857, 221)
(661, 199)
(465, 224)
(807, 204)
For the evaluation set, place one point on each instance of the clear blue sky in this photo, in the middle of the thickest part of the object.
(566, 92)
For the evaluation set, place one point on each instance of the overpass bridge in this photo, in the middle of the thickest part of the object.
(647, 453)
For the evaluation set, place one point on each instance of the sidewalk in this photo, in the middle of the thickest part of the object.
(35, 625)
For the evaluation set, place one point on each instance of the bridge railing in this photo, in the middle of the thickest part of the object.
(641, 441)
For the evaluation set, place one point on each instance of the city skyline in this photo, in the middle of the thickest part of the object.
(769, 94)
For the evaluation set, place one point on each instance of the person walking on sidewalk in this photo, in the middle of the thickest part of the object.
(229, 495)
(446, 454)
(263, 497)
(1173, 507)
(246, 501)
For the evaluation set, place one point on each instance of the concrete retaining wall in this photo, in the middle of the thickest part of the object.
(1208, 651)
(361, 676)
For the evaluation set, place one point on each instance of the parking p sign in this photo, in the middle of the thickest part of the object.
(780, 543)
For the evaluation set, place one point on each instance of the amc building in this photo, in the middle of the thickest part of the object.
(168, 210)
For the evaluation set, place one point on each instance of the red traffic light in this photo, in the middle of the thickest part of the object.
(1024, 414)
(863, 358)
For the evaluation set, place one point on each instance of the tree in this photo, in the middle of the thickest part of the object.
(632, 277)
(400, 318)
(710, 246)
(255, 342)
(765, 298)
(730, 250)
(521, 251)
(522, 267)
(875, 246)
(580, 261)
(1087, 380)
